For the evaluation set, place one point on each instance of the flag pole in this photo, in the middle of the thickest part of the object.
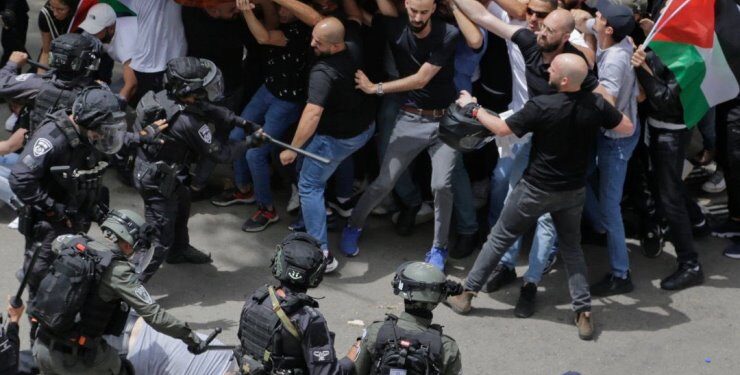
(659, 26)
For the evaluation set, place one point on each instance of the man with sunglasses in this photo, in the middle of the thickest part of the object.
(537, 51)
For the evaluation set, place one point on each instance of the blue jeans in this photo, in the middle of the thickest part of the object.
(314, 174)
(500, 185)
(604, 212)
(541, 239)
(7, 161)
(277, 116)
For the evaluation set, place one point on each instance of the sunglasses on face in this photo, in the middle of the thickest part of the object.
(540, 15)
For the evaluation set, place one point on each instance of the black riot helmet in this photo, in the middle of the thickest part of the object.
(74, 55)
(194, 76)
(459, 130)
(99, 110)
(299, 261)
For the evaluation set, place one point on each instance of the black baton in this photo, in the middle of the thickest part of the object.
(303, 152)
(37, 64)
(17, 301)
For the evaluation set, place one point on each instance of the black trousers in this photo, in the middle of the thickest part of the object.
(728, 151)
(169, 216)
(146, 82)
(667, 150)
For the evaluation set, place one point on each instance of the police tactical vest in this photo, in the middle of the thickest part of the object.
(159, 106)
(67, 304)
(265, 338)
(399, 351)
(53, 96)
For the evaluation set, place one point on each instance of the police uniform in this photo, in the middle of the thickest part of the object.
(9, 348)
(309, 349)
(51, 198)
(46, 93)
(161, 170)
(118, 283)
(451, 360)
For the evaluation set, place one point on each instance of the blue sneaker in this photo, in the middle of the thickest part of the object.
(348, 244)
(733, 251)
(437, 257)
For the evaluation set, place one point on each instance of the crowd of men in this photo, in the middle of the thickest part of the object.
(584, 117)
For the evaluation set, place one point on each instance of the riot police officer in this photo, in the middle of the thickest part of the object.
(58, 177)
(410, 343)
(280, 330)
(78, 347)
(74, 58)
(161, 172)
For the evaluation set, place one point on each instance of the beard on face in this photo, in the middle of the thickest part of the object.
(107, 38)
(546, 46)
(418, 29)
(553, 85)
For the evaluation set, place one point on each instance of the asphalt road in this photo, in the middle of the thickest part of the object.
(649, 331)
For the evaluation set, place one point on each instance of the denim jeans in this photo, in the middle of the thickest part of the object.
(7, 161)
(6, 193)
(540, 239)
(314, 174)
(603, 197)
(525, 205)
(276, 116)
(500, 186)
(667, 148)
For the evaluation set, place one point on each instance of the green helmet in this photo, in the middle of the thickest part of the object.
(422, 282)
(127, 226)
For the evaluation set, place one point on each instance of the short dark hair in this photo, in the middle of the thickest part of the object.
(552, 3)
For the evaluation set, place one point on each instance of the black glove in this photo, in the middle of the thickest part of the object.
(151, 135)
(195, 344)
(255, 141)
(58, 212)
(469, 108)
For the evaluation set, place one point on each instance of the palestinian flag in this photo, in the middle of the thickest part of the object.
(121, 7)
(700, 44)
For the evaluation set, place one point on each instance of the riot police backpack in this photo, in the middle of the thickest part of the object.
(65, 289)
(399, 351)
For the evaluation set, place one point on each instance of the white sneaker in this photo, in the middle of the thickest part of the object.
(687, 169)
(715, 184)
(13, 224)
(425, 214)
(331, 263)
(295, 200)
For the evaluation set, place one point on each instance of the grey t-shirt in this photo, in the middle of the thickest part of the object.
(618, 78)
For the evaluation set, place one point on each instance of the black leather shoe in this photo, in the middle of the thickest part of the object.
(525, 305)
(407, 220)
(611, 285)
(189, 255)
(652, 242)
(501, 276)
(466, 244)
(687, 275)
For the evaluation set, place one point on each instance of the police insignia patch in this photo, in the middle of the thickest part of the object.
(142, 293)
(320, 355)
(23, 77)
(41, 146)
(205, 133)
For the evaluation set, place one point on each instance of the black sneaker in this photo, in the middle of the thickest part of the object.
(500, 277)
(687, 275)
(651, 243)
(233, 196)
(701, 229)
(525, 305)
(611, 285)
(188, 255)
(343, 209)
(260, 220)
(728, 229)
(407, 220)
(465, 245)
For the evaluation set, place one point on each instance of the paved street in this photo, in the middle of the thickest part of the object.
(649, 331)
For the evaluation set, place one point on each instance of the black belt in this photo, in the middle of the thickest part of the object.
(433, 113)
(59, 345)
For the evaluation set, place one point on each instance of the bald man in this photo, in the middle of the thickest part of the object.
(563, 125)
(338, 117)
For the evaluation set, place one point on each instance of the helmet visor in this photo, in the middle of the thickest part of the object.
(142, 258)
(111, 134)
(213, 83)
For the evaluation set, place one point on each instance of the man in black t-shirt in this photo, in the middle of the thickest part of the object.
(423, 48)
(276, 105)
(337, 116)
(564, 127)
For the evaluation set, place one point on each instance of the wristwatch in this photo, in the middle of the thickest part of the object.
(379, 89)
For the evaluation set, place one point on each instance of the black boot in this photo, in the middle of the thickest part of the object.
(500, 277)
(465, 245)
(525, 305)
(407, 220)
(611, 285)
(687, 275)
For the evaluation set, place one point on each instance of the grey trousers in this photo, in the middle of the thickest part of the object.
(412, 135)
(525, 205)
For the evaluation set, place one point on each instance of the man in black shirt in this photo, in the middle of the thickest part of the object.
(564, 127)
(277, 105)
(423, 48)
(337, 115)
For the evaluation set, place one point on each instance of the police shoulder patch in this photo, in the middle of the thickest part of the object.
(42, 146)
(143, 294)
(321, 356)
(205, 133)
(23, 77)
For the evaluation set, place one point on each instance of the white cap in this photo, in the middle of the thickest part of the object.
(99, 16)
